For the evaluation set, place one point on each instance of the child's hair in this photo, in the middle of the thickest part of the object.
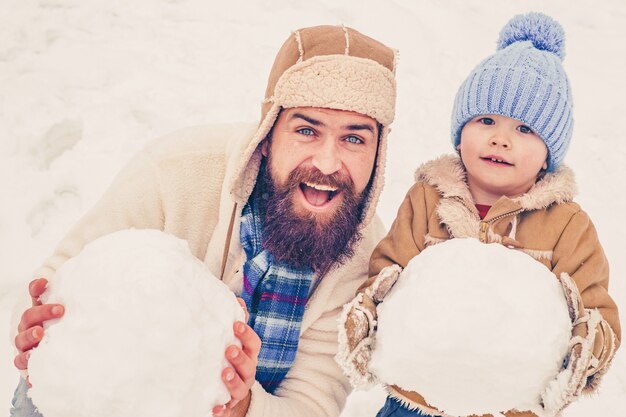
(524, 80)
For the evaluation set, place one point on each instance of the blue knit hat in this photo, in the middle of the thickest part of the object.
(524, 80)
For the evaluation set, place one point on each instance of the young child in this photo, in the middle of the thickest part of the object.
(511, 127)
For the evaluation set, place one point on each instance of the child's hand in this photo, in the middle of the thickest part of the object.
(590, 331)
(592, 345)
(356, 330)
(383, 283)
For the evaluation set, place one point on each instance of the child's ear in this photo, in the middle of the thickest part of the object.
(264, 147)
(545, 165)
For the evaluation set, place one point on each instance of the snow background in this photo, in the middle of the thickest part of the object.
(84, 84)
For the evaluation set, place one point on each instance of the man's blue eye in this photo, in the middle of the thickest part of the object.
(354, 139)
(306, 131)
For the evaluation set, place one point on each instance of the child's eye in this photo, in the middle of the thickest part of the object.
(525, 129)
(354, 139)
(487, 121)
(307, 131)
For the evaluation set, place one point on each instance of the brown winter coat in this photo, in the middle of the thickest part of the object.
(544, 223)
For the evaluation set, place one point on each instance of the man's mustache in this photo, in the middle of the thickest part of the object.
(315, 176)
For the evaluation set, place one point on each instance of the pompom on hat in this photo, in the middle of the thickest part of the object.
(524, 80)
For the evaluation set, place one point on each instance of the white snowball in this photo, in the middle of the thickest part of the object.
(474, 328)
(144, 332)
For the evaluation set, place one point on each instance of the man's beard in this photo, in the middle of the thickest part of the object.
(309, 240)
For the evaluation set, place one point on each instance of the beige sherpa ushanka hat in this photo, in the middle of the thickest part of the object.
(333, 67)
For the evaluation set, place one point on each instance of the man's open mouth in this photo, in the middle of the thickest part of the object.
(318, 194)
(495, 160)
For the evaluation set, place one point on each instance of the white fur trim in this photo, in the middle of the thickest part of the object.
(387, 274)
(447, 175)
(347, 35)
(569, 383)
(572, 295)
(344, 358)
(539, 255)
(513, 231)
(429, 240)
(412, 405)
(594, 381)
(246, 171)
(340, 82)
(459, 220)
(554, 188)
(396, 59)
(300, 48)
(493, 237)
(378, 183)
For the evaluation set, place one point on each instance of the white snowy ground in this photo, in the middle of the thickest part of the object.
(84, 84)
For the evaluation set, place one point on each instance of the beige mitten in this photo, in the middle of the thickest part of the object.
(592, 346)
(357, 325)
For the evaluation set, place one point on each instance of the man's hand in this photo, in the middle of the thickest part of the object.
(240, 378)
(30, 329)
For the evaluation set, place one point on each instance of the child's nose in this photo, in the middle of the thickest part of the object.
(500, 140)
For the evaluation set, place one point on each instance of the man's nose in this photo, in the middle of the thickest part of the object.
(327, 158)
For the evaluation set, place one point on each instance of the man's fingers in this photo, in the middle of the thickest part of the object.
(21, 361)
(36, 288)
(28, 339)
(237, 388)
(250, 341)
(240, 377)
(220, 411)
(243, 364)
(38, 314)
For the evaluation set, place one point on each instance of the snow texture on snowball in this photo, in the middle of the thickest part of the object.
(144, 332)
(544, 32)
(475, 328)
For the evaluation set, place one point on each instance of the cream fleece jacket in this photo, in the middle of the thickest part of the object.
(183, 184)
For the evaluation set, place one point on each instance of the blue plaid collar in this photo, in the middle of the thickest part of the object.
(275, 295)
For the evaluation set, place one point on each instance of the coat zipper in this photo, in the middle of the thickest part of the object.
(484, 225)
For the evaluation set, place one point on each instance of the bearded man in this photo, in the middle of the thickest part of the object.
(283, 213)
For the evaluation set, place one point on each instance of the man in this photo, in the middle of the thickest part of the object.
(283, 214)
